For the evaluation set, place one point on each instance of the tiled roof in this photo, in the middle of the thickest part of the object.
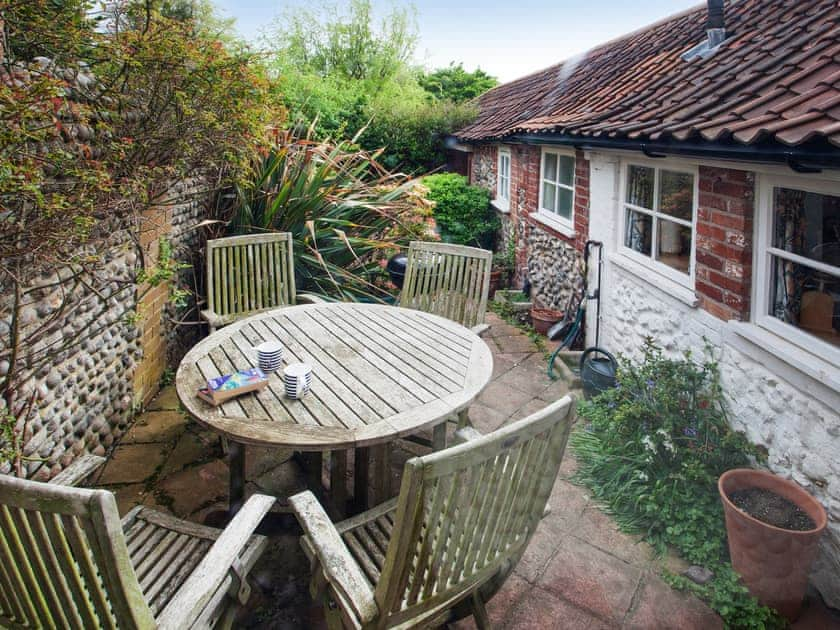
(776, 77)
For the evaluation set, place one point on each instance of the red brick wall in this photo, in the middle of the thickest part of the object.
(724, 242)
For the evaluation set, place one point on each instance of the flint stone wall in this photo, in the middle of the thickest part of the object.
(84, 398)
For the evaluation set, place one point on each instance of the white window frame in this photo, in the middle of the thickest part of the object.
(685, 280)
(763, 260)
(566, 226)
(502, 200)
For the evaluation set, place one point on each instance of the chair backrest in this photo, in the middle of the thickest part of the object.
(467, 512)
(64, 562)
(250, 273)
(448, 280)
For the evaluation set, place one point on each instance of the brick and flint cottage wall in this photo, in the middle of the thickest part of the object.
(791, 414)
(552, 261)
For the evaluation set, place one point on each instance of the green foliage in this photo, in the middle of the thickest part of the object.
(462, 211)
(345, 211)
(347, 77)
(652, 450)
(456, 84)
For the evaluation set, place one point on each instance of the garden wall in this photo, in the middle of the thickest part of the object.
(111, 343)
(793, 415)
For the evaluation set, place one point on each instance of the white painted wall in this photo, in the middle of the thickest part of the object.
(796, 416)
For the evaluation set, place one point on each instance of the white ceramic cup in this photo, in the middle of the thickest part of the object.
(297, 379)
(269, 355)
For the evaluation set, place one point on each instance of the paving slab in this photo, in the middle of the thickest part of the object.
(485, 419)
(500, 607)
(513, 343)
(191, 448)
(133, 463)
(156, 426)
(600, 530)
(525, 378)
(591, 579)
(542, 610)
(166, 400)
(129, 496)
(662, 608)
(503, 398)
(194, 488)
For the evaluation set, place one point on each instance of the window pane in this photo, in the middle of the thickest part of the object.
(638, 232)
(564, 202)
(674, 247)
(549, 194)
(550, 166)
(807, 224)
(567, 170)
(640, 186)
(676, 194)
(806, 298)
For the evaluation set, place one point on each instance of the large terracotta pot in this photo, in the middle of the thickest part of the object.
(543, 318)
(773, 562)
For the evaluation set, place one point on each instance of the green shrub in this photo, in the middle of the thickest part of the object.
(651, 450)
(462, 211)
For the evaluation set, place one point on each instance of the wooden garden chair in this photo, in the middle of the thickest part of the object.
(249, 274)
(66, 560)
(448, 280)
(445, 545)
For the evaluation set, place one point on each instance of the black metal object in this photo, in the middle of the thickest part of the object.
(715, 17)
(396, 268)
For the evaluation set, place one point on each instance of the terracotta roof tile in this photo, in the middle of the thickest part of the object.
(776, 77)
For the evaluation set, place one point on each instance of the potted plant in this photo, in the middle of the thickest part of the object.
(543, 318)
(503, 265)
(773, 527)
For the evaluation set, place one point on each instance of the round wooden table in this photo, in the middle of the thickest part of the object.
(379, 373)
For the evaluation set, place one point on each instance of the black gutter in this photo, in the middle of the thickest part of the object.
(799, 159)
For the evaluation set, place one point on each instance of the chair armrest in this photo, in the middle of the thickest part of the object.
(466, 434)
(78, 471)
(480, 329)
(309, 298)
(198, 589)
(212, 318)
(339, 567)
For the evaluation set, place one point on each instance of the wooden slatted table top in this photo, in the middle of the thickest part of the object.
(379, 372)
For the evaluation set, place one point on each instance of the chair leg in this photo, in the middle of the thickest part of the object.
(482, 621)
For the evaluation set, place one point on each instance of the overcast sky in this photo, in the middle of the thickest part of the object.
(506, 39)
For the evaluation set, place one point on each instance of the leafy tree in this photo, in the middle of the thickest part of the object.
(349, 78)
(456, 84)
(462, 211)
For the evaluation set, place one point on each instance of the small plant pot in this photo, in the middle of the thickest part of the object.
(773, 562)
(495, 280)
(543, 318)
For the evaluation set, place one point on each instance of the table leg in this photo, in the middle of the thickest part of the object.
(338, 480)
(361, 478)
(236, 464)
(439, 437)
(381, 455)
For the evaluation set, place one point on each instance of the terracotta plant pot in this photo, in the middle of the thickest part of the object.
(495, 280)
(773, 562)
(543, 318)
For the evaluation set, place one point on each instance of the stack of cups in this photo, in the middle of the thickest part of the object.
(269, 355)
(298, 378)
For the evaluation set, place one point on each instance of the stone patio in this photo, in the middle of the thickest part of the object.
(579, 571)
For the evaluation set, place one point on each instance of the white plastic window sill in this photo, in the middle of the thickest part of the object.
(651, 276)
(805, 370)
(554, 224)
(501, 206)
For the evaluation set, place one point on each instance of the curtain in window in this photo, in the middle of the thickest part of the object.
(789, 235)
